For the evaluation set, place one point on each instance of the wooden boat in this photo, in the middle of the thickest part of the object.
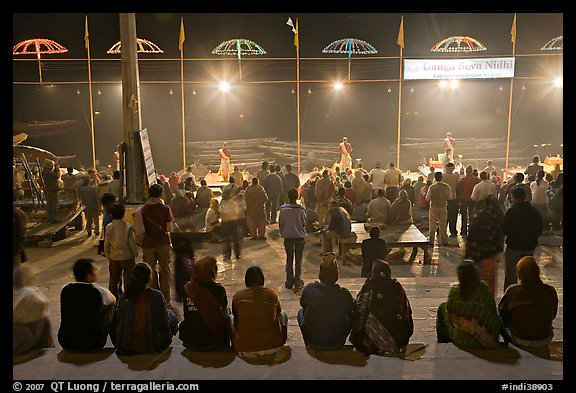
(38, 128)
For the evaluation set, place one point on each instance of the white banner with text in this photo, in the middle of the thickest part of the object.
(502, 67)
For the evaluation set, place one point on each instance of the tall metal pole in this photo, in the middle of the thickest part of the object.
(87, 41)
(399, 111)
(298, 91)
(39, 63)
(400, 43)
(513, 33)
(135, 179)
(182, 89)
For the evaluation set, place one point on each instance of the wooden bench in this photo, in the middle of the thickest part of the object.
(395, 236)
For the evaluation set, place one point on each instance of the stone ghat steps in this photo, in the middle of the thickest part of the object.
(422, 361)
(425, 359)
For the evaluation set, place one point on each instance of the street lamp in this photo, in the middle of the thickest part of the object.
(559, 82)
(224, 86)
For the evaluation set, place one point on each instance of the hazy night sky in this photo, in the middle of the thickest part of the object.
(365, 112)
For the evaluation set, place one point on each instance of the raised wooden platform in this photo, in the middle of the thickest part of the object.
(42, 230)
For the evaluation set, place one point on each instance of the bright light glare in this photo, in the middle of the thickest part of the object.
(224, 86)
(454, 83)
(443, 83)
(338, 85)
(559, 81)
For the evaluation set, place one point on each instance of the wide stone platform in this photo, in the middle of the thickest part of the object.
(426, 285)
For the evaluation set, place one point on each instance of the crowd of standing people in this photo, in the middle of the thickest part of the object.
(497, 217)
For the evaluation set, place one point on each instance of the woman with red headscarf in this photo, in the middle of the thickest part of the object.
(382, 319)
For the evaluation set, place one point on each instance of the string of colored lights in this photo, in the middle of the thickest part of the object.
(458, 44)
(350, 46)
(37, 46)
(144, 46)
(237, 47)
(556, 43)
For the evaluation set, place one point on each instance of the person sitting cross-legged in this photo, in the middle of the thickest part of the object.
(382, 320)
(206, 324)
(260, 324)
(469, 318)
(529, 307)
(326, 314)
(143, 322)
(30, 308)
(86, 310)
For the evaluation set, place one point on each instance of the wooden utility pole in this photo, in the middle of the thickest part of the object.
(135, 180)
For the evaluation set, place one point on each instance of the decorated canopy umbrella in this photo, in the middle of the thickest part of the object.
(238, 47)
(458, 44)
(350, 46)
(554, 44)
(144, 46)
(38, 46)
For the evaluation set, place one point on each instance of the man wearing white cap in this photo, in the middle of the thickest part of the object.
(345, 149)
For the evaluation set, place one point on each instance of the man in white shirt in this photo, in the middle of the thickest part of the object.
(438, 195)
(376, 177)
(378, 208)
(188, 174)
(393, 180)
(482, 189)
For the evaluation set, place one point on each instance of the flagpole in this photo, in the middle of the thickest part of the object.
(401, 44)
(239, 55)
(513, 33)
(298, 91)
(87, 39)
(182, 89)
(39, 63)
(349, 49)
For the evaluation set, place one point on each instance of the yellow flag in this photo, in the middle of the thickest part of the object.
(86, 33)
(296, 43)
(182, 36)
(513, 31)
(401, 33)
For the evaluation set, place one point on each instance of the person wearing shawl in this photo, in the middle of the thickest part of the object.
(469, 318)
(167, 194)
(528, 308)
(256, 199)
(260, 324)
(326, 313)
(400, 210)
(383, 307)
(345, 149)
(30, 308)
(485, 240)
(206, 324)
(143, 323)
(173, 181)
(224, 153)
(410, 190)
